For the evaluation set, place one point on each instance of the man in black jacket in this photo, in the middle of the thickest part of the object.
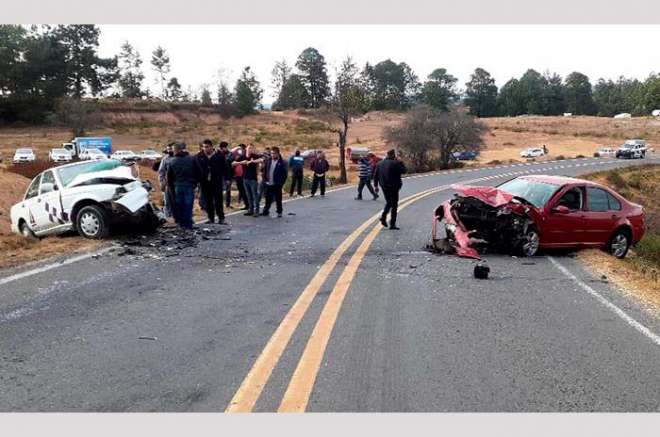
(182, 177)
(319, 166)
(388, 176)
(274, 176)
(213, 170)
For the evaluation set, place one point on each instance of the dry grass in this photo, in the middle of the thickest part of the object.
(639, 272)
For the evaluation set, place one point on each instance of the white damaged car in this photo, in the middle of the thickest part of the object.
(89, 197)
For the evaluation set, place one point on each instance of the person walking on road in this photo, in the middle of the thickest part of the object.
(213, 169)
(274, 174)
(182, 176)
(250, 164)
(296, 164)
(319, 166)
(388, 176)
(365, 173)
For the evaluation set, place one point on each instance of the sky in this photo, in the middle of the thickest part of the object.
(201, 54)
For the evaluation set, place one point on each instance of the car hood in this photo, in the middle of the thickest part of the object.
(489, 195)
(119, 172)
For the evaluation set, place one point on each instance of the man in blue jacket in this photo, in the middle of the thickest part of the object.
(296, 164)
(274, 174)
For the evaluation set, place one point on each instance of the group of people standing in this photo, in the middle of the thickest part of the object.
(212, 171)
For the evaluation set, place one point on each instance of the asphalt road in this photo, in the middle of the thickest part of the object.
(381, 326)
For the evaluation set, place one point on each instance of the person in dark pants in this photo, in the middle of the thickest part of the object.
(319, 166)
(223, 148)
(274, 175)
(250, 164)
(213, 167)
(182, 177)
(261, 191)
(237, 172)
(296, 164)
(364, 173)
(388, 176)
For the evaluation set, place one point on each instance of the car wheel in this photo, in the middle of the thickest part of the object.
(529, 246)
(91, 222)
(619, 244)
(27, 232)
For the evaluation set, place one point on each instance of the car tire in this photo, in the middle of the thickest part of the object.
(92, 223)
(27, 232)
(529, 246)
(619, 243)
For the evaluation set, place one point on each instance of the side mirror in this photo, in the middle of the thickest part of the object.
(47, 187)
(561, 209)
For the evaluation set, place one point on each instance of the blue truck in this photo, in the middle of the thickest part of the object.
(78, 144)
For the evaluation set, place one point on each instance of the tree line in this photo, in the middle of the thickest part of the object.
(41, 65)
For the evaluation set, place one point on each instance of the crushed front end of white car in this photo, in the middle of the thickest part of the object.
(90, 197)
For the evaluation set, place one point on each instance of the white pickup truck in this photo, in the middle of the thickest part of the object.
(88, 197)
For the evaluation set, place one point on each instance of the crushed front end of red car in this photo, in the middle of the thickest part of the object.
(482, 218)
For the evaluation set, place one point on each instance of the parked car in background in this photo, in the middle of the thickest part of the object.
(532, 212)
(632, 149)
(24, 155)
(125, 156)
(92, 154)
(59, 155)
(88, 197)
(354, 154)
(532, 152)
(309, 154)
(151, 155)
(605, 152)
(466, 155)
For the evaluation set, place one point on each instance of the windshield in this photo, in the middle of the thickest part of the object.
(24, 151)
(536, 193)
(68, 173)
(60, 151)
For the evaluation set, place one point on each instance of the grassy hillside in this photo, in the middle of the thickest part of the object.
(640, 271)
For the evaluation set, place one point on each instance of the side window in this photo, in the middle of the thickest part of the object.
(614, 203)
(597, 200)
(33, 189)
(48, 178)
(572, 199)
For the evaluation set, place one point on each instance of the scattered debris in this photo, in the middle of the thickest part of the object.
(168, 241)
(481, 271)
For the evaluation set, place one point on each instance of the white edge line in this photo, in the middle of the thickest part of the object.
(51, 266)
(618, 311)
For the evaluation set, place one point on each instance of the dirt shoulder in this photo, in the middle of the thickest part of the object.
(639, 272)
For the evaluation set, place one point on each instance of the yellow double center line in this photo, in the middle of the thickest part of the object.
(297, 394)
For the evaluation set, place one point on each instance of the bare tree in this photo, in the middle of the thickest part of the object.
(348, 100)
(160, 61)
(427, 137)
(78, 114)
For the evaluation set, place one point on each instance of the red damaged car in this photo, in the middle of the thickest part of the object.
(529, 213)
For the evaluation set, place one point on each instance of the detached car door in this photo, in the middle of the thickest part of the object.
(565, 229)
